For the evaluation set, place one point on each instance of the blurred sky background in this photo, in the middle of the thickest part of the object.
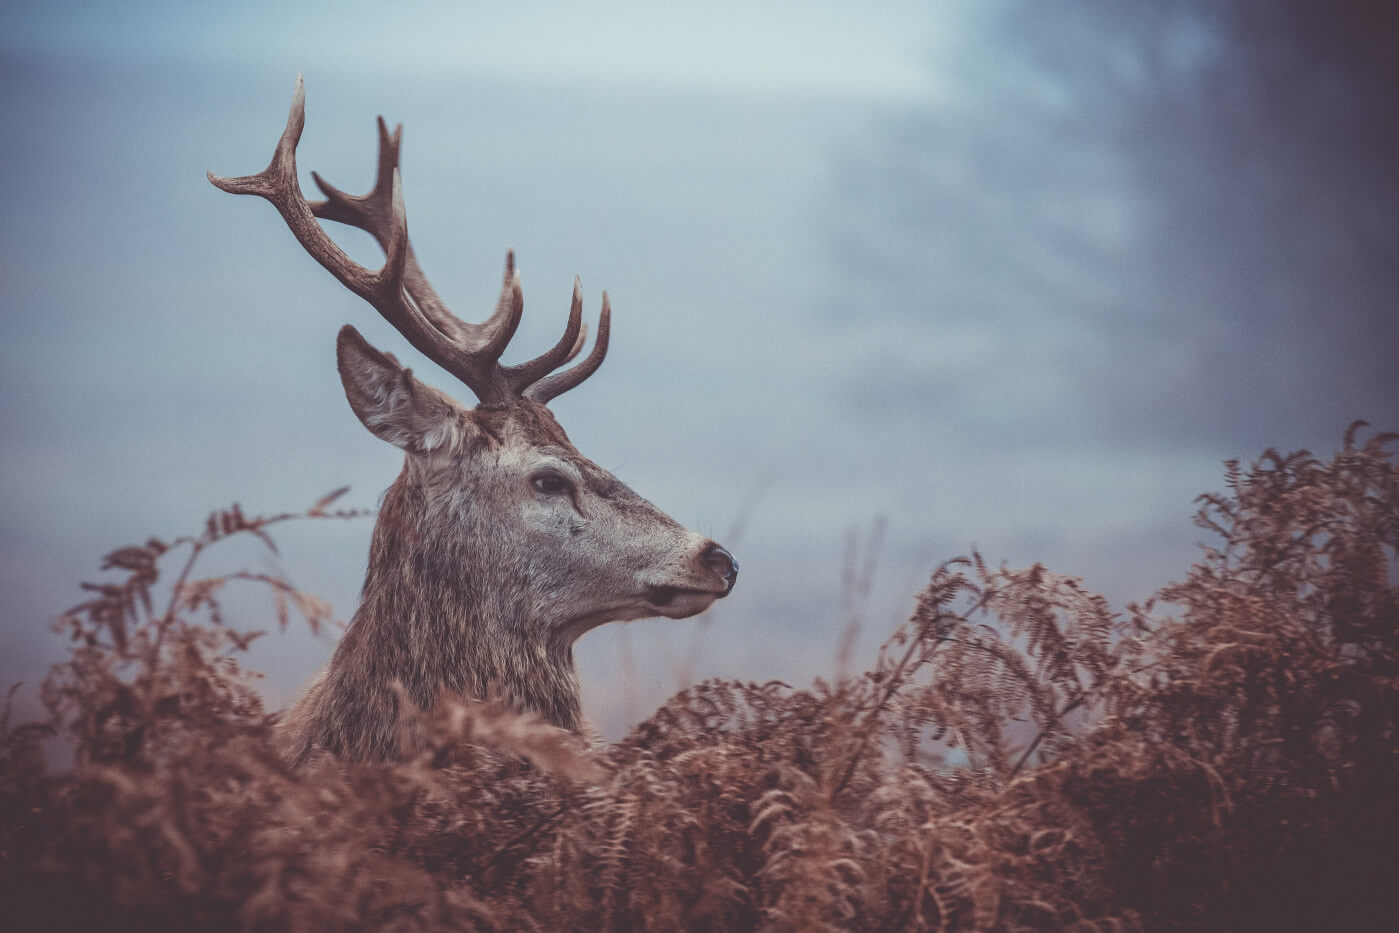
(890, 280)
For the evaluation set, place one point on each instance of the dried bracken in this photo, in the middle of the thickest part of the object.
(1018, 757)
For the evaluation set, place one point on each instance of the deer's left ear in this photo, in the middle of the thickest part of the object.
(392, 404)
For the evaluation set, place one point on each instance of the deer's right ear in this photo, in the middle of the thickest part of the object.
(392, 404)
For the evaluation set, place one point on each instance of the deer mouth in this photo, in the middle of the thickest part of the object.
(679, 601)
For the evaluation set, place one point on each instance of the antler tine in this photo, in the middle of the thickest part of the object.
(509, 307)
(577, 344)
(552, 386)
(266, 183)
(522, 376)
(368, 211)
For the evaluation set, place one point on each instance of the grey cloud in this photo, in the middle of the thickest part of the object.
(1186, 239)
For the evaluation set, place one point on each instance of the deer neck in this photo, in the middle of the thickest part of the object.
(436, 615)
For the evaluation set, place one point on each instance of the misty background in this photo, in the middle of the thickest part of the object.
(889, 280)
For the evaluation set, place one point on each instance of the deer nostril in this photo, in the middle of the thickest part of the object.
(722, 563)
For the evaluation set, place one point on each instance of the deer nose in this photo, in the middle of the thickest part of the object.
(722, 563)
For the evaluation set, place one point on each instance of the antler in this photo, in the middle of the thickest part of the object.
(401, 293)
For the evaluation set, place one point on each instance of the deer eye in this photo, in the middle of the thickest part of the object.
(551, 484)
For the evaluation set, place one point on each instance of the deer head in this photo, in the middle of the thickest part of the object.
(499, 544)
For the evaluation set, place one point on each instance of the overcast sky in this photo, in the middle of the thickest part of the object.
(990, 276)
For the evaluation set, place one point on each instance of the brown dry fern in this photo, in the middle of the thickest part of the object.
(1228, 764)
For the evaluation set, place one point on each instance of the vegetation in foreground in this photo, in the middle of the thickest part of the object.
(1222, 757)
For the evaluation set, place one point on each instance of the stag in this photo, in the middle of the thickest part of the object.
(499, 544)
